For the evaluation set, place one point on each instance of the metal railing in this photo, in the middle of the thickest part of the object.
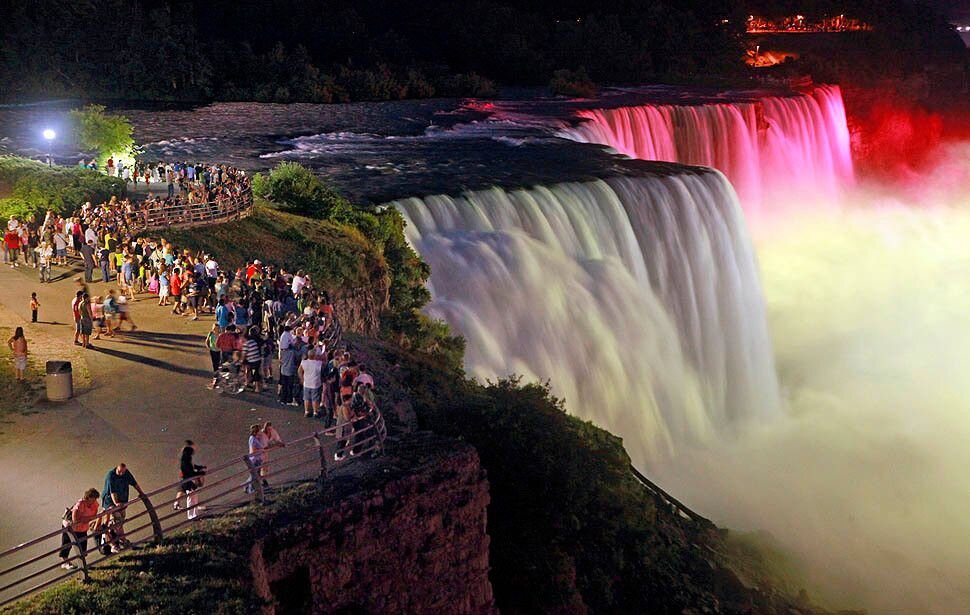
(32, 566)
(675, 505)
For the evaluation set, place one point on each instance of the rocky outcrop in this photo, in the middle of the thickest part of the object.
(415, 543)
(360, 309)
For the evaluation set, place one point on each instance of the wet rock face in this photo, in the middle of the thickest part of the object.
(416, 544)
(360, 309)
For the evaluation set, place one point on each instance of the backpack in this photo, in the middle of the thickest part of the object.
(110, 307)
(68, 517)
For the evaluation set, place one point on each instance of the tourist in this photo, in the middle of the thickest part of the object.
(270, 439)
(76, 312)
(310, 375)
(18, 346)
(190, 473)
(77, 520)
(215, 355)
(11, 245)
(117, 482)
(124, 313)
(61, 241)
(164, 288)
(256, 449)
(86, 320)
(87, 254)
(104, 259)
(34, 307)
(253, 358)
(289, 363)
(110, 311)
(229, 344)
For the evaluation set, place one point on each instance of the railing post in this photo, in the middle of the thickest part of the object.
(256, 480)
(156, 524)
(324, 468)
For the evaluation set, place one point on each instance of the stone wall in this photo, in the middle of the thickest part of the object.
(414, 544)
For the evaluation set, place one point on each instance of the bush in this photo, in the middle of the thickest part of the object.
(36, 188)
(15, 207)
(296, 189)
(574, 83)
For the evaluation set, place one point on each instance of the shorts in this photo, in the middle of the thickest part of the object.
(254, 373)
(61, 252)
(77, 326)
(20, 363)
(87, 327)
(163, 291)
(311, 395)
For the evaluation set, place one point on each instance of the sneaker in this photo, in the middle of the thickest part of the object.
(176, 506)
(116, 549)
(68, 566)
(307, 414)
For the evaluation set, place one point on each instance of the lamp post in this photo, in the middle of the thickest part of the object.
(49, 135)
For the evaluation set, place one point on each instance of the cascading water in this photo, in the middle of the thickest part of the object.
(777, 150)
(638, 297)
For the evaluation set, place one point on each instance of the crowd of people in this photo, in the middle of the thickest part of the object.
(271, 325)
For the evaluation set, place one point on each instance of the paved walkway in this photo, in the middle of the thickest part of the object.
(146, 395)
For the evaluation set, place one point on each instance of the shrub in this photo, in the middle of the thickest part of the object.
(567, 82)
(35, 187)
(296, 189)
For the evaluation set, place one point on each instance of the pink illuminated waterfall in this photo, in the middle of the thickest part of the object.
(777, 151)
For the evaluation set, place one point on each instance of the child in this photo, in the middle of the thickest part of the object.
(34, 305)
(44, 256)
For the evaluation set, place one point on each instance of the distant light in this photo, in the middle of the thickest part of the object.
(49, 134)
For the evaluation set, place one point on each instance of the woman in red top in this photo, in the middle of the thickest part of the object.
(83, 513)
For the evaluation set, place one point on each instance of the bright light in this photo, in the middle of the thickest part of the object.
(49, 134)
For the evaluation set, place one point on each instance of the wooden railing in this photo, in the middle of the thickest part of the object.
(187, 215)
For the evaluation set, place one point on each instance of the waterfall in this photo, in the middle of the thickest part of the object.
(781, 151)
(637, 297)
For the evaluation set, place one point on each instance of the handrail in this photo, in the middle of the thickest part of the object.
(329, 442)
(676, 504)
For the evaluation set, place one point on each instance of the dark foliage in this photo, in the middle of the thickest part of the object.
(338, 50)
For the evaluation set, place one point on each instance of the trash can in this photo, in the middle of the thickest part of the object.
(60, 380)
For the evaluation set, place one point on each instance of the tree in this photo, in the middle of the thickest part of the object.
(109, 135)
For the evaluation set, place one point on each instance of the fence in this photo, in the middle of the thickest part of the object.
(187, 215)
(27, 568)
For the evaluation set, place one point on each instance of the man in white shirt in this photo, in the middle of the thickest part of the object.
(310, 372)
(211, 268)
(91, 235)
(299, 281)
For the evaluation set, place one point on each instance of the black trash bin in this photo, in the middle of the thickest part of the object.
(60, 380)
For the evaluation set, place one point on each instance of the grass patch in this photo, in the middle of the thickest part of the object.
(335, 255)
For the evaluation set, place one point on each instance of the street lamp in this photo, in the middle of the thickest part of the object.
(49, 135)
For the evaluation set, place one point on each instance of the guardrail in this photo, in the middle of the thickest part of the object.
(676, 505)
(228, 485)
(187, 215)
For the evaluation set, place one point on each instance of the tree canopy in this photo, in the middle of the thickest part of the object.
(109, 135)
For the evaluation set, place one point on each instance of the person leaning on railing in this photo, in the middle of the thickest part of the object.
(76, 522)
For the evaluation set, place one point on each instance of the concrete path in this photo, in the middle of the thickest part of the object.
(146, 395)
